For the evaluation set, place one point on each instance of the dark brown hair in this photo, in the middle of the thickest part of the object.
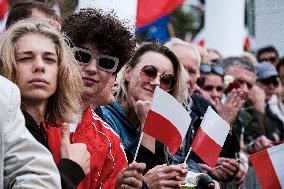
(103, 31)
(20, 11)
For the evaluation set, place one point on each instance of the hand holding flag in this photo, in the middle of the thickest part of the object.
(210, 137)
(167, 120)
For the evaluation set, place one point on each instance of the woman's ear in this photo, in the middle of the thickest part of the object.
(126, 73)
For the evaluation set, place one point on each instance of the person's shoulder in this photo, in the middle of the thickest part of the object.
(6, 86)
(9, 95)
(111, 109)
(200, 101)
(107, 132)
(103, 126)
(113, 115)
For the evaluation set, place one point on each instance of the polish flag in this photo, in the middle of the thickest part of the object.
(210, 137)
(269, 167)
(167, 120)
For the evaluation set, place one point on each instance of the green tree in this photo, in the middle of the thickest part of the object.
(186, 19)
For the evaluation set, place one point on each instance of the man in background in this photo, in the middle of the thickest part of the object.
(269, 54)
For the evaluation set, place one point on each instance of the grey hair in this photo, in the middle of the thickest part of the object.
(237, 61)
(178, 42)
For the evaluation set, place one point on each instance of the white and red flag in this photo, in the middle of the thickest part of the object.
(167, 120)
(210, 137)
(269, 167)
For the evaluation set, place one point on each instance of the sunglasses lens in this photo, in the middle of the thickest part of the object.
(167, 81)
(82, 57)
(106, 63)
(219, 89)
(205, 68)
(271, 59)
(219, 70)
(208, 88)
(148, 73)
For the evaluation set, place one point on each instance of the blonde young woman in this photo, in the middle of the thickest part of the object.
(44, 68)
(35, 56)
(151, 65)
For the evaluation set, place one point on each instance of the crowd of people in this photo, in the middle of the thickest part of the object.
(75, 93)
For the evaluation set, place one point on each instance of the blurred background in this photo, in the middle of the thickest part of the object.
(232, 26)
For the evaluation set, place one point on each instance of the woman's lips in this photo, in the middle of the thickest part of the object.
(39, 81)
(89, 81)
(149, 90)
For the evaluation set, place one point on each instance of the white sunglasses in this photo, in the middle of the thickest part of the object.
(104, 62)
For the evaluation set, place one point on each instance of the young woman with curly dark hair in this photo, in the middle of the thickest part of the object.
(101, 45)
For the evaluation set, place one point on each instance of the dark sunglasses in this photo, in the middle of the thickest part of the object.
(104, 62)
(148, 73)
(210, 88)
(271, 59)
(271, 80)
(207, 68)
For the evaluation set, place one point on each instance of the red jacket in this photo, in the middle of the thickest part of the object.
(107, 155)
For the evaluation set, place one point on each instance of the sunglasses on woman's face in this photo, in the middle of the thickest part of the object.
(270, 59)
(149, 73)
(104, 62)
(210, 88)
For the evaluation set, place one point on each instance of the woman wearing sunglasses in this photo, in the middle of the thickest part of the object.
(211, 82)
(101, 46)
(35, 56)
(151, 65)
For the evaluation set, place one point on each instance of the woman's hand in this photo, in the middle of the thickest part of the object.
(225, 169)
(131, 177)
(141, 108)
(163, 176)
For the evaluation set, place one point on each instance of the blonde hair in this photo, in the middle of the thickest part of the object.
(179, 91)
(65, 102)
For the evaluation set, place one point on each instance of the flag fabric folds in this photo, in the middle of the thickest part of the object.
(167, 120)
(149, 11)
(157, 30)
(210, 137)
(4, 6)
(269, 166)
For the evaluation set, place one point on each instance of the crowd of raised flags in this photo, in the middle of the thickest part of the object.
(168, 121)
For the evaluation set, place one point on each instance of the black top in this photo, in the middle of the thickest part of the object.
(70, 172)
(144, 155)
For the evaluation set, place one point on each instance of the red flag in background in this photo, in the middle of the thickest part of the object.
(268, 165)
(4, 6)
(149, 11)
(167, 120)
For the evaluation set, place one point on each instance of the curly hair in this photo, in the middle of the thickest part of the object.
(103, 31)
(65, 102)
